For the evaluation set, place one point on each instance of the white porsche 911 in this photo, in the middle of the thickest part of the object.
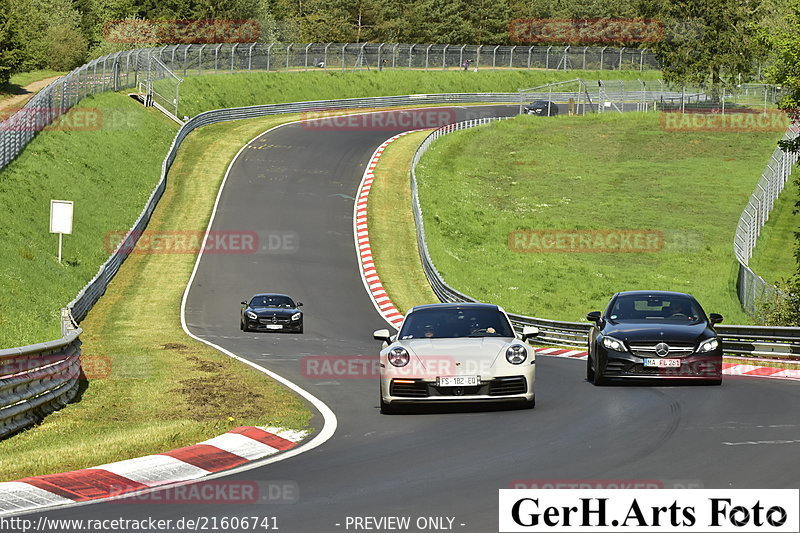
(465, 352)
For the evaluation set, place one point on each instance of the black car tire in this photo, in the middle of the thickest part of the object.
(598, 378)
(529, 404)
(243, 326)
(589, 370)
(386, 408)
(300, 328)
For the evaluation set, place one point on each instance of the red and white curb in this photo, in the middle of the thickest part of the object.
(733, 367)
(229, 450)
(366, 264)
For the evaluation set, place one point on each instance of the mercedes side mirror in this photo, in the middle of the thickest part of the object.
(382, 335)
(244, 303)
(715, 318)
(299, 304)
(528, 332)
(594, 316)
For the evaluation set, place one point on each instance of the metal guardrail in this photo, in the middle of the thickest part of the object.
(746, 341)
(750, 286)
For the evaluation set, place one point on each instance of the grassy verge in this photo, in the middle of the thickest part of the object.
(393, 237)
(109, 174)
(608, 172)
(773, 258)
(201, 93)
(153, 388)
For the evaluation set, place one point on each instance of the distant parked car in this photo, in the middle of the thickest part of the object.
(271, 312)
(654, 335)
(542, 107)
(447, 353)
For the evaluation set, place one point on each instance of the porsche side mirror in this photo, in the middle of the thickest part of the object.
(529, 332)
(382, 335)
(715, 318)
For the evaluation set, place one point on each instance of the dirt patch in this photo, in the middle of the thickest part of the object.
(174, 346)
(12, 103)
(216, 396)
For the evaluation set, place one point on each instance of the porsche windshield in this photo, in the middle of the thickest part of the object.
(272, 301)
(449, 323)
(630, 308)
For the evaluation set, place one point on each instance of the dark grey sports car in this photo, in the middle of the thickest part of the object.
(654, 334)
(271, 312)
(542, 108)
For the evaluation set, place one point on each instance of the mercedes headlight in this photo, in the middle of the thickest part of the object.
(516, 354)
(251, 315)
(708, 345)
(613, 344)
(296, 316)
(398, 356)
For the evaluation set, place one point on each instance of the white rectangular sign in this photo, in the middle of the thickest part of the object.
(669, 510)
(61, 217)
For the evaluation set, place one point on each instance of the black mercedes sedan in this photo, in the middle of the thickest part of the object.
(542, 108)
(654, 334)
(271, 312)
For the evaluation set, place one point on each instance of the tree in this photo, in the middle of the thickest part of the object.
(10, 57)
(706, 40)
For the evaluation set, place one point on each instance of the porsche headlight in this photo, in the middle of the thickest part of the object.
(296, 316)
(613, 344)
(708, 345)
(516, 354)
(398, 356)
(251, 315)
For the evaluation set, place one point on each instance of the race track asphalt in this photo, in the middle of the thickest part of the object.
(298, 182)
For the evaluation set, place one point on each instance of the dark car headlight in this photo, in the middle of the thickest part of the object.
(708, 345)
(614, 344)
(398, 356)
(516, 354)
(251, 315)
(296, 316)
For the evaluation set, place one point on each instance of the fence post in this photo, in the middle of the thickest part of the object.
(494, 57)
(641, 59)
(530, 49)
(478, 56)
(394, 55)
(619, 67)
(380, 56)
(585, 48)
(547, 58)
(186, 59)
(288, 48)
(410, 50)
(427, 53)
(444, 56)
(511, 58)
(306, 59)
(249, 57)
(233, 52)
(269, 53)
(602, 53)
(344, 48)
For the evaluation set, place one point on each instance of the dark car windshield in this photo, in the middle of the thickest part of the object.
(676, 308)
(449, 323)
(272, 301)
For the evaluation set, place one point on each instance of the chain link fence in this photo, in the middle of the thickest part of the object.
(751, 287)
(157, 72)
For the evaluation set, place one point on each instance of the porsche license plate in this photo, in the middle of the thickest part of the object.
(458, 381)
(662, 363)
(274, 326)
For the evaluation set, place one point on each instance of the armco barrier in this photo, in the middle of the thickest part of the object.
(748, 341)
